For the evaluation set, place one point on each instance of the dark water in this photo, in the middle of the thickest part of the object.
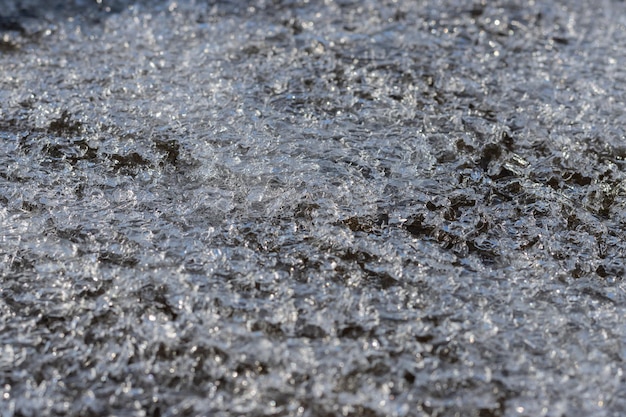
(290, 208)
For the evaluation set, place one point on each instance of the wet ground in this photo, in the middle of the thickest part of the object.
(292, 208)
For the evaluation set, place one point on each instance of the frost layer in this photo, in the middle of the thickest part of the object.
(377, 208)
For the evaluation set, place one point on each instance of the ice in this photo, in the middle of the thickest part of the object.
(378, 208)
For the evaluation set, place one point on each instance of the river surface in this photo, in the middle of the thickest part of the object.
(294, 208)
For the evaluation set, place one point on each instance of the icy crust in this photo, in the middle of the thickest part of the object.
(292, 208)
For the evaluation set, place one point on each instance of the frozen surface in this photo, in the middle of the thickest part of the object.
(292, 208)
